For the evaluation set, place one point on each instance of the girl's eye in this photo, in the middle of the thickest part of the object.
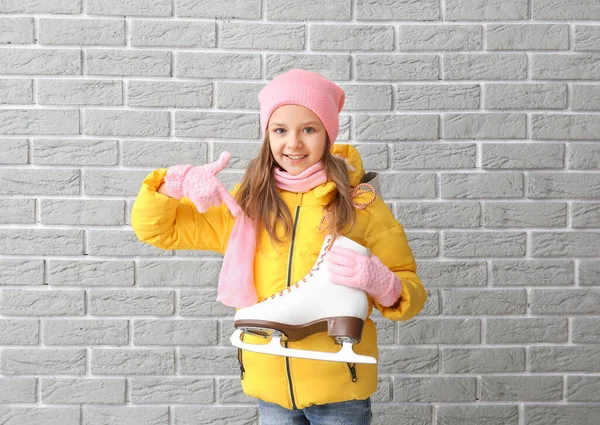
(277, 130)
(311, 129)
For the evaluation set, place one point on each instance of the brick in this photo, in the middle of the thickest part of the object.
(585, 330)
(496, 125)
(18, 390)
(41, 415)
(232, 95)
(133, 361)
(367, 97)
(527, 37)
(561, 415)
(220, 125)
(75, 152)
(90, 273)
(43, 361)
(565, 244)
(519, 272)
(172, 34)
(14, 151)
(485, 66)
(130, 415)
(565, 10)
(558, 66)
(521, 388)
(88, 212)
(39, 121)
(21, 271)
(311, 10)
(17, 211)
(102, 32)
(587, 37)
(334, 67)
(112, 182)
(106, 122)
(241, 153)
(585, 214)
(433, 214)
(182, 94)
(40, 61)
(142, 153)
(19, 332)
(215, 415)
(31, 302)
(485, 302)
(526, 330)
(396, 127)
(217, 65)
(128, 62)
(175, 332)
(130, 302)
(374, 156)
(185, 273)
(136, 8)
(201, 303)
(79, 92)
(558, 185)
(525, 96)
(408, 156)
(120, 243)
(16, 91)
(83, 391)
(396, 67)
(408, 360)
(41, 6)
(482, 185)
(172, 390)
(239, 35)
(384, 392)
(520, 155)
(565, 301)
(585, 97)
(453, 273)
(414, 185)
(352, 37)
(424, 244)
(477, 244)
(227, 9)
(41, 241)
(564, 359)
(483, 360)
(230, 391)
(437, 96)
(490, 415)
(583, 388)
(374, 10)
(584, 156)
(209, 360)
(435, 389)
(39, 182)
(440, 37)
(588, 272)
(440, 331)
(86, 332)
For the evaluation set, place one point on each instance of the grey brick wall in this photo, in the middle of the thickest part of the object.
(482, 116)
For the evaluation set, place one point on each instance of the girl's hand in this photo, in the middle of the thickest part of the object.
(201, 185)
(368, 273)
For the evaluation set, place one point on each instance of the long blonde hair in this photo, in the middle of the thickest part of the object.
(260, 200)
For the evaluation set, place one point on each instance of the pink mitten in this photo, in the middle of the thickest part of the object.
(201, 185)
(368, 273)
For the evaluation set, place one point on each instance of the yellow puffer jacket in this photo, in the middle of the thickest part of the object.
(290, 382)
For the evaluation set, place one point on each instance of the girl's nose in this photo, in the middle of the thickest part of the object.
(295, 141)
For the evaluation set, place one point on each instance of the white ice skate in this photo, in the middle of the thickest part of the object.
(311, 305)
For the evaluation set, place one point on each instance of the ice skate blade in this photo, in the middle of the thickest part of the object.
(274, 347)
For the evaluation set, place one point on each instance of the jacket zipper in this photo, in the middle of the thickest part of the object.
(289, 278)
(352, 369)
(242, 370)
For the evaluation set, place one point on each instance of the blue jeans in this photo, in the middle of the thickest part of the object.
(354, 412)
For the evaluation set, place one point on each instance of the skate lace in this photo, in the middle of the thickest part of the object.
(310, 273)
(358, 190)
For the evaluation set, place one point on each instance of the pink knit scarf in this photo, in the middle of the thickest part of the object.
(236, 281)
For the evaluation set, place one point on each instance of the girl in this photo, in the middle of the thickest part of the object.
(300, 188)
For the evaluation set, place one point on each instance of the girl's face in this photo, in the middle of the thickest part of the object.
(297, 138)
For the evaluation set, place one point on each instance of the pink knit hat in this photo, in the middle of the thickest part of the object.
(304, 88)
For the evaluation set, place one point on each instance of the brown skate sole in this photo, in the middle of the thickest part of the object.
(344, 326)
